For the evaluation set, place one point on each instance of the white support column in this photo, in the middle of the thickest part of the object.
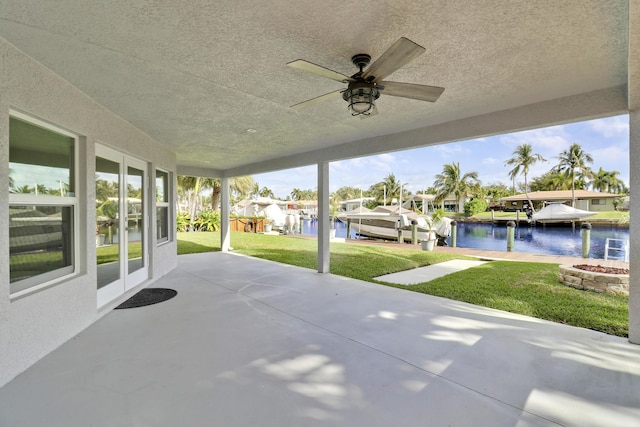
(225, 207)
(634, 229)
(633, 71)
(323, 217)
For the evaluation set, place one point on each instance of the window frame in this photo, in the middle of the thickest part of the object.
(168, 192)
(53, 277)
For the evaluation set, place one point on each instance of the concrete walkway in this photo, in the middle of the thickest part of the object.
(428, 273)
(248, 342)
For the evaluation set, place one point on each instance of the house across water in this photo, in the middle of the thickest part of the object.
(593, 201)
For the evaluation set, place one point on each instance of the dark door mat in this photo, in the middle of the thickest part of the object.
(148, 296)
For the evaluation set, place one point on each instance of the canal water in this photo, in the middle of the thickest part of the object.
(549, 240)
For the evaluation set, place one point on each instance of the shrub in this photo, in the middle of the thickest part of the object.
(208, 220)
(474, 206)
(183, 220)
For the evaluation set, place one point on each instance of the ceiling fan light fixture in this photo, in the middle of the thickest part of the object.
(361, 100)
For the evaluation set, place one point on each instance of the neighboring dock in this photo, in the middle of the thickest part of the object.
(501, 255)
(522, 221)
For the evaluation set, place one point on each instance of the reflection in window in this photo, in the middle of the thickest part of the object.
(42, 203)
(41, 243)
(40, 160)
(162, 206)
(107, 221)
(162, 223)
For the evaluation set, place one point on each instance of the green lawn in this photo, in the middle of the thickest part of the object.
(519, 287)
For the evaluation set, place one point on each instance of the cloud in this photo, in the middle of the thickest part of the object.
(380, 162)
(547, 141)
(452, 150)
(611, 127)
(490, 161)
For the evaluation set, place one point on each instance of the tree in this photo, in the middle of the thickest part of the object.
(239, 186)
(453, 181)
(298, 194)
(551, 181)
(571, 160)
(522, 159)
(495, 191)
(191, 188)
(607, 181)
(347, 193)
(388, 189)
(12, 182)
(266, 192)
(24, 189)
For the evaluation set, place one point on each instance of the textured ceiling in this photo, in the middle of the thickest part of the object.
(197, 74)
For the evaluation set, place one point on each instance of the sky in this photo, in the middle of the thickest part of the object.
(607, 140)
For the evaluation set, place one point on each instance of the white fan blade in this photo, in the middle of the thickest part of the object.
(413, 91)
(400, 53)
(303, 65)
(316, 100)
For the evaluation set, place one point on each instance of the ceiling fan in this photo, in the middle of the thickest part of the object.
(365, 86)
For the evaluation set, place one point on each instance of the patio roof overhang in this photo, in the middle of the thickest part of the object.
(209, 81)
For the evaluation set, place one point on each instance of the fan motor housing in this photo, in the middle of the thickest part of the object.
(361, 60)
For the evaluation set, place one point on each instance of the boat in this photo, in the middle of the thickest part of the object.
(268, 208)
(32, 230)
(559, 212)
(384, 221)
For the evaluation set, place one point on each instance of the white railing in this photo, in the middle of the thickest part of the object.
(620, 249)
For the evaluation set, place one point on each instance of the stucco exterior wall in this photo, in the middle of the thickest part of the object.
(35, 324)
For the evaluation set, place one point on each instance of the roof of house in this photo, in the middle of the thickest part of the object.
(559, 195)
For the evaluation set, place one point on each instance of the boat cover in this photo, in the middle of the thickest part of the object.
(560, 212)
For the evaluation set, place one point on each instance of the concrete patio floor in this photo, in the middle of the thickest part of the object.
(248, 342)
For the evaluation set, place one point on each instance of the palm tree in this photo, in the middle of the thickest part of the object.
(242, 185)
(551, 181)
(191, 187)
(298, 194)
(266, 192)
(572, 159)
(255, 191)
(347, 193)
(522, 159)
(24, 189)
(607, 181)
(452, 181)
(387, 189)
(12, 182)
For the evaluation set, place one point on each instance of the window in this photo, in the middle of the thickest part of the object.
(162, 206)
(42, 203)
(598, 202)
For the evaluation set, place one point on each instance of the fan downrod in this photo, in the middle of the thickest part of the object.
(361, 60)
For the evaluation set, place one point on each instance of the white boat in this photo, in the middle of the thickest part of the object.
(32, 230)
(262, 207)
(559, 212)
(384, 221)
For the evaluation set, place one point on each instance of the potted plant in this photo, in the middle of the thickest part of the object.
(432, 220)
(99, 237)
